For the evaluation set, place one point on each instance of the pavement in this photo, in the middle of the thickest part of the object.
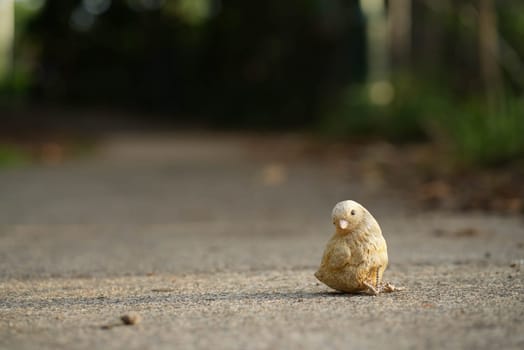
(213, 240)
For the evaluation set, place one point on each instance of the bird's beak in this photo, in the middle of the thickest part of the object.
(343, 224)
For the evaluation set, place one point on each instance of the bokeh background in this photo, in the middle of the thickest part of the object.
(447, 72)
(180, 159)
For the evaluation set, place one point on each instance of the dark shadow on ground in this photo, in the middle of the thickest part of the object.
(170, 297)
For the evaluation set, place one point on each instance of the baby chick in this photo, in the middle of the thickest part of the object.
(356, 256)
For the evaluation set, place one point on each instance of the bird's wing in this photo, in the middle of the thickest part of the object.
(380, 256)
(338, 255)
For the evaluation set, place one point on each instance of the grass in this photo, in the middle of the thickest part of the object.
(487, 136)
(403, 120)
(12, 156)
(476, 134)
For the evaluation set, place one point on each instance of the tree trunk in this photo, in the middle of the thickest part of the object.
(377, 43)
(399, 16)
(381, 91)
(7, 32)
(488, 50)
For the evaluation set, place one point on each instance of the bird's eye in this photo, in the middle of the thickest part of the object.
(353, 212)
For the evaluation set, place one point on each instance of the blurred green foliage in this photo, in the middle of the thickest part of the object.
(484, 135)
(441, 94)
(405, 119)
(12, 156)
(277, 64)
(475, 132)
(228, 63)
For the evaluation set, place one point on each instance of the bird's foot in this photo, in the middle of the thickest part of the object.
(371, 289)
(390, 288)
(382, 288)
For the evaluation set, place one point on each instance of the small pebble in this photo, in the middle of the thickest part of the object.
(131, 319)
(127, 320)
(162, 290)
(517, 264)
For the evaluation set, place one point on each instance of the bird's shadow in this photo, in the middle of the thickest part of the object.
(173, 297)
(276, 295)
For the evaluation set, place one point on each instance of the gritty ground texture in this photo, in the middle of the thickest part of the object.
(213, 240)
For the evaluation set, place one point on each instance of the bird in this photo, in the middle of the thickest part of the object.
(356, 256)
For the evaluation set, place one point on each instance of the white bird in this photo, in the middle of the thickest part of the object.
(356, 256)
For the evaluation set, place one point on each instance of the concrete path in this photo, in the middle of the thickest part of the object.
(213, 241)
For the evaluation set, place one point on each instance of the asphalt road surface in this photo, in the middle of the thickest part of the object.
(213, 240)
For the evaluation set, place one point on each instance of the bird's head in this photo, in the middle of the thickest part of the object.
(347, 215)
